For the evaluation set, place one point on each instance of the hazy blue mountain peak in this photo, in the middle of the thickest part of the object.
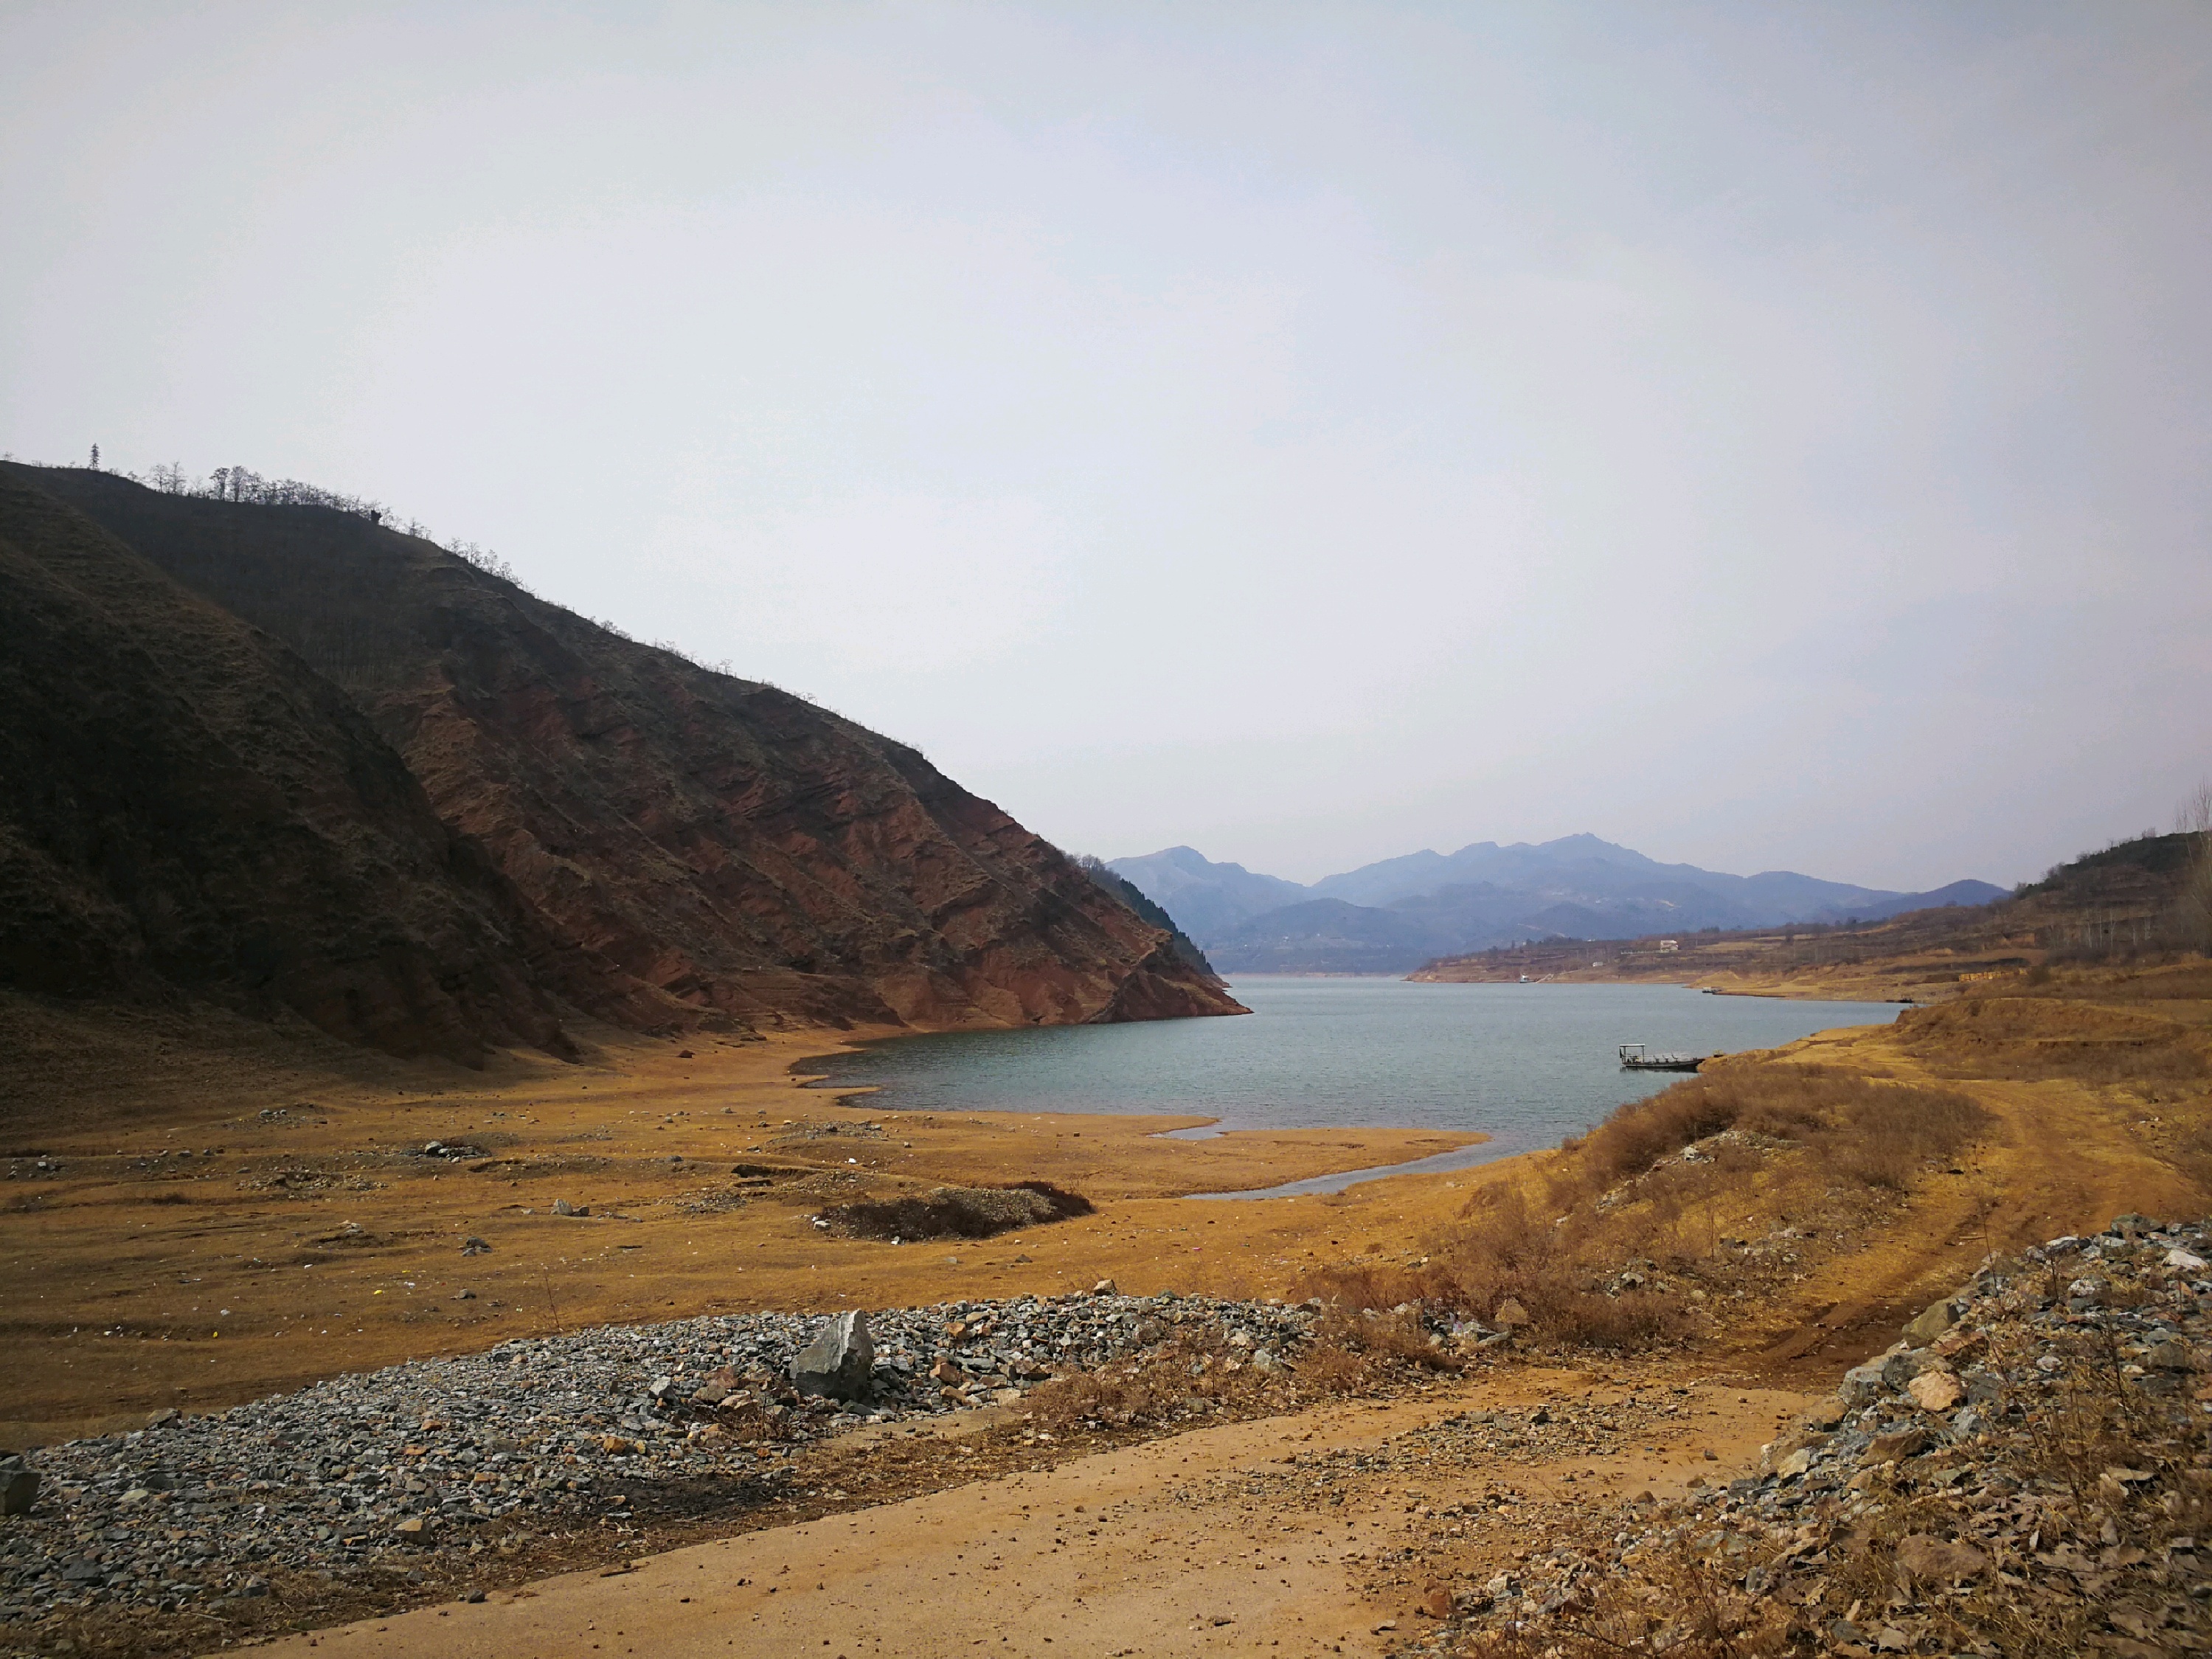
(1393, 914)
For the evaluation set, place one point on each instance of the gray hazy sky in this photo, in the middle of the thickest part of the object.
(1767, 436)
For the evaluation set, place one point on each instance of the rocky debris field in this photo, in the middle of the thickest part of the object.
(2028, 1472)
(349, 1474)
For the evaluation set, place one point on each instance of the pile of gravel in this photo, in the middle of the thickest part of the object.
(2029, 1470)
(339, 1476)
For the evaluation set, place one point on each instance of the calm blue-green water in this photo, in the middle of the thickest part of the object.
(1524, 1064)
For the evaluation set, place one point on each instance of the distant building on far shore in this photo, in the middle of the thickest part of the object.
(1667, 945)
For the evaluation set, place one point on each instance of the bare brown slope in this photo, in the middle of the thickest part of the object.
(185, 806)
(741, 852)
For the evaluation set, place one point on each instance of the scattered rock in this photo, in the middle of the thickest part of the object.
(19, 1490)
(1897, 1445)
(837, 1364)
(1931, 1324)
(1827, 1416)
(2171, 1355)
(2098, 1334)
(1932, 1560)
(1935, 1391)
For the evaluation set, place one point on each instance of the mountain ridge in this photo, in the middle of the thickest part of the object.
(1427, 903)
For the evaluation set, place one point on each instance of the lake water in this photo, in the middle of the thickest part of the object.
(1524, 1064)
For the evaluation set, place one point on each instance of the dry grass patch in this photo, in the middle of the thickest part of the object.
(1874, 1131)
(2036, 1037)
(1626, 1239)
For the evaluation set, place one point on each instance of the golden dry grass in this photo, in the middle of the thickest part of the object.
(1612, 1242)
(2023, 1036)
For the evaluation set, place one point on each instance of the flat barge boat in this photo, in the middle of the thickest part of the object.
(1633, 1058)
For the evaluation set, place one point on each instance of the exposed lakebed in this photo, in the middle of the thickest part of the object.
(1522, 1064)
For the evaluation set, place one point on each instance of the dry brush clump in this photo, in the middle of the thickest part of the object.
(1675, 1601)
(1194, 1372)
(1875, 1131)
(1378, 1339)
(1620, 1241)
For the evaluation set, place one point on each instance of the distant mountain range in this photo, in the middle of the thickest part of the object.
(1392, 916)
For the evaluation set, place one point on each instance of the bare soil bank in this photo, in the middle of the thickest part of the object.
(200, 1214)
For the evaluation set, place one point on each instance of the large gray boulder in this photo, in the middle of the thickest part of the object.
(19, 1487)
(838, 1361)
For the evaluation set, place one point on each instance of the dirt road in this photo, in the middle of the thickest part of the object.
(2060, 1157)
(1320, 1532)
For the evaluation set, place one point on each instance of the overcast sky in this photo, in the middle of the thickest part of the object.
(1767, 436)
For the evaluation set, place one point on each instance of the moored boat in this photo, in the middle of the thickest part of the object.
(1634, 1058)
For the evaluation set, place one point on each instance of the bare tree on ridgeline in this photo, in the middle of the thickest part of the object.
(2193, 908)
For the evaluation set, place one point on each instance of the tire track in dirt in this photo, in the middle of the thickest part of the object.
(2060, 1158)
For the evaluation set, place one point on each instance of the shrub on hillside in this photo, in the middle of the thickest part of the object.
(1612, 1245)
(1878, 1131)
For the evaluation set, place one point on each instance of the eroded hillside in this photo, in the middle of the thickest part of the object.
(737, 855)
(186, 809)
